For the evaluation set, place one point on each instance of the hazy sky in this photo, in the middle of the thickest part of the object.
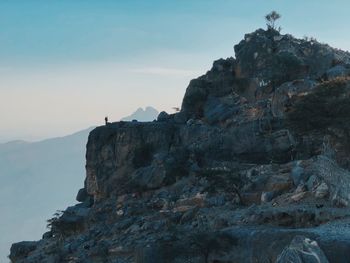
(65, 64)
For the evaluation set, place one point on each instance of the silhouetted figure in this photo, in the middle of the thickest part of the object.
(106, 120)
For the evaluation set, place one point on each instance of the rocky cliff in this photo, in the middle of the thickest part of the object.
(254, 168)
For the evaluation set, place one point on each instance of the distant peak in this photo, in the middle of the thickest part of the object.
(147, 114)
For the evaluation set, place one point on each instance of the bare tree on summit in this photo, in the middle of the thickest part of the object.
(271, 19)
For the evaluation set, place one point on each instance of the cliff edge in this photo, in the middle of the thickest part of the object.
(254, 168)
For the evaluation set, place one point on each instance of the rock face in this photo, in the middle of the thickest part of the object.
(253, 167)
(302, 250)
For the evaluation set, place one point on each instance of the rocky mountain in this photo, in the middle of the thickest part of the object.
(39, 178)
(254, 168)
(147, 114)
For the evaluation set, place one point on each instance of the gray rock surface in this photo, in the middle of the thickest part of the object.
(302, 250)
(257, 157)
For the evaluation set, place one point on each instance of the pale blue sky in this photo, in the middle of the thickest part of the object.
(65, 64)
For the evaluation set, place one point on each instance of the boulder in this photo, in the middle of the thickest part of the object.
(22, 249)
(337, 71)
(322, 191)
(302, 250)
(150, 177)
(163, 116)
(297, 173)
(216, 111)
(267, 196)
(335, 178)
(82, 195)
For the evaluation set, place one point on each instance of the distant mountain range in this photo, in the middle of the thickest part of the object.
(147, 114)
(35, 178)
(38, 178)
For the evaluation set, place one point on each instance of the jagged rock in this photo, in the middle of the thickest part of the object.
(322, 191)
(302, 250)
(216, 82)
(312, 182)
(282, 100)
(298, 196)
(150, 177)
(82, 195)
(267, 196)
(22, 249)
(337, 71)
(109, 164)
(218, 111)
(244, 156)
(301, 188)
(297, 173)
(163, 116)
(47, 235)
(335, 178)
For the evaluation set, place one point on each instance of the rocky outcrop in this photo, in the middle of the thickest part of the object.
(115, 152)
(302, 250)
(256, 158)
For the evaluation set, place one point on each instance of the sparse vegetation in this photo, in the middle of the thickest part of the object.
(271, 19)
(310, 39)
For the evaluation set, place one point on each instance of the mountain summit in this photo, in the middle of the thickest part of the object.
(254, 168)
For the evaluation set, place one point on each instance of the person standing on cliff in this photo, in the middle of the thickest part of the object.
(106, 120)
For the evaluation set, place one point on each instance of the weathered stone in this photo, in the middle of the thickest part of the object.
(163, 116)
(282, 100)
(82, 195)
(322, 191)
(197, 200)
(150, 177)
(337, 71)
(267, 196)
(302, 250)
(298, 196)
(242, 157)
(116, 150)
(278, 183)
(22, 249)
(297, 173)
(312, 182)
(336, 178)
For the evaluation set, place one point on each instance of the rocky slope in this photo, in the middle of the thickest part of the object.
(254, 168)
